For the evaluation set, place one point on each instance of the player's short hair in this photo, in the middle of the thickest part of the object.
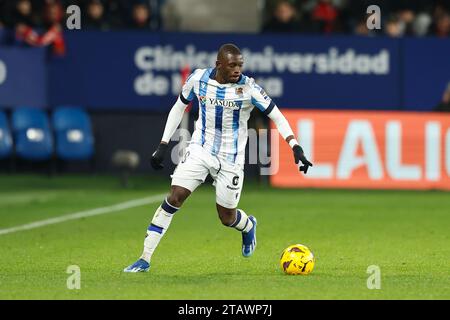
(226, 49)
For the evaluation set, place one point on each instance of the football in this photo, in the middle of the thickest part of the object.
(297, 259)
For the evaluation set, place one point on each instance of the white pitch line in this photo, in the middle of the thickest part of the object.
(86, 213)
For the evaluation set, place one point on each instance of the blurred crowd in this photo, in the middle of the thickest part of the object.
(41, 23)
(35, 23)
(398, 17)
(96, 14)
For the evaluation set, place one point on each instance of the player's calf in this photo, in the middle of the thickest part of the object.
(238, 219)
(226, 216)
(247, 225)
(158, 226)
(155, 231)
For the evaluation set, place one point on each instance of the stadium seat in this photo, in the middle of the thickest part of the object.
(73, 132)
(32, 135)
(6, 145)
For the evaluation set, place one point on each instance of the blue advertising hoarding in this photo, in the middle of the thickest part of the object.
(142, 70)
(23, 77)
(426, 72)
(131, 70)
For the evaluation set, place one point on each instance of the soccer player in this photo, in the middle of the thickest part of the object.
(226, 98)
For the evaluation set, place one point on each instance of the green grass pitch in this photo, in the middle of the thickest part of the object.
(405, 233)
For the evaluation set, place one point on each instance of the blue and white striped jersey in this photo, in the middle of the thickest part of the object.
(224, 109)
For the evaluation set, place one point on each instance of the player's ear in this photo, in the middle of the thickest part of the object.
(218, 63)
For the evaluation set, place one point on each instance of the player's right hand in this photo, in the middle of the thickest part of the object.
(158, 156)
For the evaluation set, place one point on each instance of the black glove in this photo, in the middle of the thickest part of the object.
(299, 155)
(158, 156)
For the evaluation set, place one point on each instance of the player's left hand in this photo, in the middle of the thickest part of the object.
(299, 155)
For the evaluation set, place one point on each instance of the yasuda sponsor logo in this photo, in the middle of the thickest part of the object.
(223, 103)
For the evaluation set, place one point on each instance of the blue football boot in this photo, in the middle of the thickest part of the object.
(139, 266)
(249, 239)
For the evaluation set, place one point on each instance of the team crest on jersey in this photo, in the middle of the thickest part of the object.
(239, 91)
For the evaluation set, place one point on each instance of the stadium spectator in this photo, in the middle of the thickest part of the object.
(327, 15)
(421, 24)
(23, 14)
(406, 19)
(26, 29)
(441, 27)
(140, 16)
(95, 16)
(360, 29)
(444, 105)
(394, 27)
(53, 14)
(23, 22)
(117, 13)
(286, 19)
